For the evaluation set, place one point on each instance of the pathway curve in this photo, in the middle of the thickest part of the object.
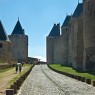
(43, 81)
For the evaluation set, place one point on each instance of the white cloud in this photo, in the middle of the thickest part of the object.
(41, 58)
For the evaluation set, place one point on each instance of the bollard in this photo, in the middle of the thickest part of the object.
(9, 91)
(18, 83)
(14, 87)
(21, 79)
(75, 77)
(72, 76)
(88, 81)
(67, 75)
(82, 79)
(79, 78)
(93, 83)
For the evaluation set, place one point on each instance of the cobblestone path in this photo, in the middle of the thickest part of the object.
(43, 81)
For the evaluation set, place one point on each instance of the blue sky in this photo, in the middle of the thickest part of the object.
(37, 18)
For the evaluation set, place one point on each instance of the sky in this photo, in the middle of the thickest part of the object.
(37, 18)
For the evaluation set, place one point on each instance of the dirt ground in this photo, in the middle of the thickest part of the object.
(5, 78)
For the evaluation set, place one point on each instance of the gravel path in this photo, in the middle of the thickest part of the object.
(43, 81)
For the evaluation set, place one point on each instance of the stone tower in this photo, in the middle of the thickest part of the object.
(50, 39)
(19, 43)
(89, 34)
(77, 37)
(5, 46)
(65, 29)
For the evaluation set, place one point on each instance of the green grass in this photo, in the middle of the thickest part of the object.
(27, 66)
(72, 71)
(6, 69)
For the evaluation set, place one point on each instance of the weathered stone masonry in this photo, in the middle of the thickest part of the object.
(75, 46)
(19, 43)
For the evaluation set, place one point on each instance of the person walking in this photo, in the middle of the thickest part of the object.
(16, 68)
(20, 67)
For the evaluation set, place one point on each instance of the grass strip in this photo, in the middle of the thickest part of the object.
(72, 71)
(27, 67)
(6, 69)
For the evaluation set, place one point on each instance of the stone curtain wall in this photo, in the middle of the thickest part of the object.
(5, 52)
(89, 34)
(75, 47)
(50, 49)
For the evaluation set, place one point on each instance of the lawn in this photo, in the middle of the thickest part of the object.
(72, 71)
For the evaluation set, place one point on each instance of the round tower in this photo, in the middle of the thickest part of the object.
(89, 34)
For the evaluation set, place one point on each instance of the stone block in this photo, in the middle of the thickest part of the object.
(83, 79)
(14, 87)
(75, 77)
(10, 92)
(88, 81)
(93, 83)
(79, 78)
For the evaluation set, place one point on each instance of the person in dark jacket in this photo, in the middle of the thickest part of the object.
(16, 68)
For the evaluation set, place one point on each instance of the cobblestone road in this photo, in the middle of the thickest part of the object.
(43, 81)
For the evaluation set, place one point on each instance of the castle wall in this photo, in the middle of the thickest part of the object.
(80, 44)
(74, 29)
(89, 34)
(5, 52)
(57, 50)
(50, 49)
(70, 45)
(76, 47)
(77, 43)
(64, 45)
(19, 47)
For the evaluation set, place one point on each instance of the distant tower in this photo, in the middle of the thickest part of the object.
(19, 43)
(50, 39)
(5, 46)
(89, 34)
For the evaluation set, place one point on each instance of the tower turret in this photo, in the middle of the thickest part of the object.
(50, 39)
(19, 43)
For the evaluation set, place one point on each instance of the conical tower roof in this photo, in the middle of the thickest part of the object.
(18, 28)
(78, 10)
(3, 35)
(66, 21)
(55, 30)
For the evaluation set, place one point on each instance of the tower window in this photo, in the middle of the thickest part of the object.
(1, 45)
